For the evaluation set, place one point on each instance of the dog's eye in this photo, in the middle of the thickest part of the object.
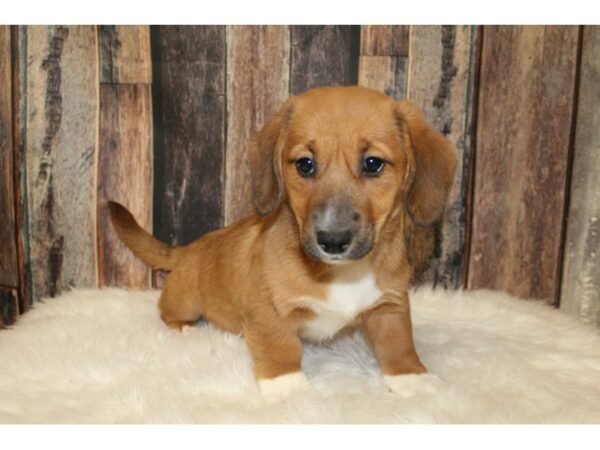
(372, 166)
(305, 166)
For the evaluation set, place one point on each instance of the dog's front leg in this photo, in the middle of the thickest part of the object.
(389, 330)
(276, 351)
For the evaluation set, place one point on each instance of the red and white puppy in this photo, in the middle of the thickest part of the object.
(345, 179)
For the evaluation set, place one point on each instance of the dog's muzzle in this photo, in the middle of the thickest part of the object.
(337, 234)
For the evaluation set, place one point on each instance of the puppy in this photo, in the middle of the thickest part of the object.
(345, 179)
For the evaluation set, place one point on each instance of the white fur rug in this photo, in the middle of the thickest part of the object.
(104, 356)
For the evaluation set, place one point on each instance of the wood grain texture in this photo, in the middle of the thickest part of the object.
(323, 56)
(440, 82)
(189, 105)
(61, 123)
(383, 62)
(384, 40)
(580, 294)
(124, 175)
(9, 269)
(19, 85)
(125, 54)
(9, 309)
(257, 85)
(524, 125)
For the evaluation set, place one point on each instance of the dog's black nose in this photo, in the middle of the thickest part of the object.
(334, 242)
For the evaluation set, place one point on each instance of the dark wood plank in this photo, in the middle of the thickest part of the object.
(524, 125)
(9, 269)
(124, 54)
(383, 63)
(580, 294)
(189, 118)
(441, 82)
(9, 309)
(257, 85)
(60, 152)
(323, 56)
(125, 174)
(18, 48)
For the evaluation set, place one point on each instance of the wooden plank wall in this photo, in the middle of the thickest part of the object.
(383, 62)
(9, 272)
(159, 118)
(523, 138)
(189, 100)
(581, 271)
(441, 79)
(323, 55)
(125, 148)
(60, 153)
(258, 65)
(189, 132)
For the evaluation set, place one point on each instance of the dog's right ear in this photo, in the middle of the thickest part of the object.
(265, 158)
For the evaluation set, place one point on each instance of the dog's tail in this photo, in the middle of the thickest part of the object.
(146, 247)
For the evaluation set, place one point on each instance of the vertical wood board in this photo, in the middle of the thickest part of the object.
(384, 40)
(581, 270)
(524, 125)
(323, 56)
(124, 175)
(257, 85)
(9, 270)
(125, 54)
(383, 61)
(441, 83)
(189, 128)
(19, 42)
(60, 152)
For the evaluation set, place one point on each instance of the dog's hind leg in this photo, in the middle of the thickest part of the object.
(179, 304)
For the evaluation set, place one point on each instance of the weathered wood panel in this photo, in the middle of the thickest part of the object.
(125, 150)
(124, 54)
(9, 271)
(257, 84)
(61, 123)
(189, 100)
(378, 40)
(581, 271)
(384, 73)
(441, 83)
(124, 175)
(524, 126)
(383, 61)
(9, 309)
(323, 56)
(18, 47)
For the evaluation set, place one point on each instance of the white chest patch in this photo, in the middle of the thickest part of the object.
(352, 291)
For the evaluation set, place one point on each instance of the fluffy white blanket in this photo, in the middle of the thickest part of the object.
(104, 356)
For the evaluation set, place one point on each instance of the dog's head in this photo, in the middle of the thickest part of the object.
(346, 160)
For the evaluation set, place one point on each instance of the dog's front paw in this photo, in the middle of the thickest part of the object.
(413, 384)
(281, 387)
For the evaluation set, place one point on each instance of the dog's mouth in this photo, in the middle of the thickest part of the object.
(337, 248)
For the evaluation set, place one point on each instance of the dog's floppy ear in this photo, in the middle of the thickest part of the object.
(265, 157)
(431, 165)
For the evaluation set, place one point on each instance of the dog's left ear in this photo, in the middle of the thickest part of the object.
(265, 158)
(431, 165)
